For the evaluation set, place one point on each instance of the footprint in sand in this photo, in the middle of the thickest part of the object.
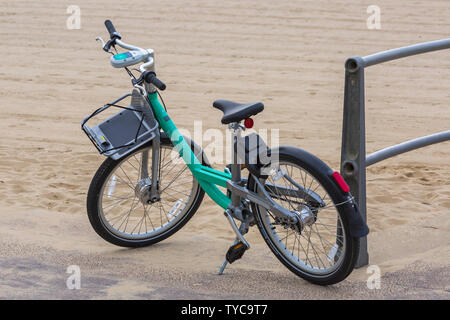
(445, 203)
(19, 188)
(396, 222)
(387, 199)
(89, 157)
(62, 185)
(54, 196)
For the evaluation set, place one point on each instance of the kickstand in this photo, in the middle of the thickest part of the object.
(239, 246)
(225, 261)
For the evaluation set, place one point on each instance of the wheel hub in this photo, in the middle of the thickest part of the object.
(305, 217)
(143, 192)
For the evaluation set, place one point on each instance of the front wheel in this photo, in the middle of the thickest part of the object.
(117, 210)
(322, 249)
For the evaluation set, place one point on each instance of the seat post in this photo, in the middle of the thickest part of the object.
(236, 130)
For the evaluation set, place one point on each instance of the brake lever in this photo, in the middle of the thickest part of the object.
(101, 40)
(106, 46)
(139, 80)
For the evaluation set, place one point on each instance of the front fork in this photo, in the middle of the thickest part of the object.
(154, 188)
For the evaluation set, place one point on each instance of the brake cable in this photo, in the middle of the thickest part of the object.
(162, 100)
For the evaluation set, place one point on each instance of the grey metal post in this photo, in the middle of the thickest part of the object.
(353, 152)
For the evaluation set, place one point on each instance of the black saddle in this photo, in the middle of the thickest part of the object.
(235, 112)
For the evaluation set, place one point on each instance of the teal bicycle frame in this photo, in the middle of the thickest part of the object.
(207, 177)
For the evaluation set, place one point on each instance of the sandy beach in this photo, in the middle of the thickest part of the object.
(289, 55)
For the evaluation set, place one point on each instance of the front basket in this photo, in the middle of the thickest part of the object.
(126, 130)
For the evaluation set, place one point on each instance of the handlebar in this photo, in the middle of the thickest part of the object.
(150, 77)
(116, 39)
(147, 75)
(112, 31)
(113, 34)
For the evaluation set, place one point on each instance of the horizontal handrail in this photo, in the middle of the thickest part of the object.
(407, 51)
(407, 146)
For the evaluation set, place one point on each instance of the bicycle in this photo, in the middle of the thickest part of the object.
(142, 193)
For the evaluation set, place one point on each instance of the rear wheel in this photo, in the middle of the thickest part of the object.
(122, 216)
(322, 250)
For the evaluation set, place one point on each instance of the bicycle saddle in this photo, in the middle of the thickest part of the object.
(235, 112)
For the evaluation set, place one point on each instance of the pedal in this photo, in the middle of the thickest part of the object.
(236, 252)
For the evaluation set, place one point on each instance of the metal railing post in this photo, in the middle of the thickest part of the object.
(353, 151)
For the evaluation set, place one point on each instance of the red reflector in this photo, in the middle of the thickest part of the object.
(341, 182)
(248, 123)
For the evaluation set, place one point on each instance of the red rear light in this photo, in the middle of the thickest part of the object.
(248, 123)
(341, 182)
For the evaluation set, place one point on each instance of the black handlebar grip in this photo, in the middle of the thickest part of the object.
(112, 31)
(151, 78)
(159, 84)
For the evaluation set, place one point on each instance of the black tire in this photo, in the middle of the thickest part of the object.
(94, 213)
(322, 173)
